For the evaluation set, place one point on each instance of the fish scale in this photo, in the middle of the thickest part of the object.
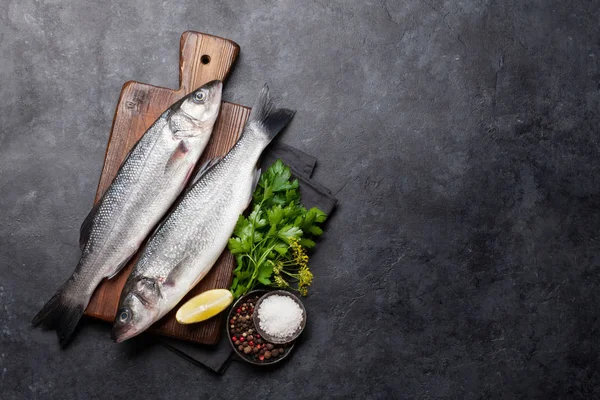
(192, 237)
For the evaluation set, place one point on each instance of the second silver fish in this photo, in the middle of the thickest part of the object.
(191, 238)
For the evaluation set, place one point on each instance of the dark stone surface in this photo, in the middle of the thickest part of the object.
(461, 139)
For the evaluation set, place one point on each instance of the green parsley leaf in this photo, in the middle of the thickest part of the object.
(309, 244)
(235, 245)
(288, 232)
(281, 248)
(275, 215)
(264, 272)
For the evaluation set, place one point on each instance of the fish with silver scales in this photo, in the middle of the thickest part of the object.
(145, 187)
(188, 242)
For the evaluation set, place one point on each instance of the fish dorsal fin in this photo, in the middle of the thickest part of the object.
(206, 167)
(86, 226)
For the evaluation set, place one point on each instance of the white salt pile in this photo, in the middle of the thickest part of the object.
(279, 316)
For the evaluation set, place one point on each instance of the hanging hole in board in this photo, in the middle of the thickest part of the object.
(205, 59)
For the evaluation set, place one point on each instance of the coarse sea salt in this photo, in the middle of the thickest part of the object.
(279, 316)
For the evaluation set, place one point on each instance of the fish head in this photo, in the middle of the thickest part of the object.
(195, 114)
(138, 308)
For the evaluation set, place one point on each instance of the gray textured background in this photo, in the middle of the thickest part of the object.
(461, 138)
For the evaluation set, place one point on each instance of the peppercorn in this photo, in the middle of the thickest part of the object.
(262, 351)
(269, 346)
(240, 347)
(261, 358)
(267, 354)
(251, 343)
(237, 342)
(244, 334)
(255, 350)
(247, 349)
(275, 352)
(260, 341)
(250, 337)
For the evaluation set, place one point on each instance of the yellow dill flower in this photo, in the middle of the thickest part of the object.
(279, 281)
(298, 253)
(277, 267)
(305, 276)
(303, 291)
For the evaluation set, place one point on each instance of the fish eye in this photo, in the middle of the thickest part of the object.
(199, 96)
(124, 316)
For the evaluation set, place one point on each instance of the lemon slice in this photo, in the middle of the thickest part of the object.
(204, 306)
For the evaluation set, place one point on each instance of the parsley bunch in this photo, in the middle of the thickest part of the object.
(270, 244)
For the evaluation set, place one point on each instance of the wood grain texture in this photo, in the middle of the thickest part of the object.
(203, 58)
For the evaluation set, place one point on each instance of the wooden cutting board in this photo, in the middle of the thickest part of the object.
(203, 58)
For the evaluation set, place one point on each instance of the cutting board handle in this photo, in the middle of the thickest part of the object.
(204, 58)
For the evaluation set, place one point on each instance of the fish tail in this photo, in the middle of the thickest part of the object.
(266, 120)
(63, 311)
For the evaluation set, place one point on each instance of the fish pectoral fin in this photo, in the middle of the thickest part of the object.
(206, 167)
(120, 266)
(255, 180)
(175, 161)
(172, 279)
(173, 276)
(86, 227)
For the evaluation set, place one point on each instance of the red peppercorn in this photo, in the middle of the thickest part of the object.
(239, 310)
(261, 358)
(258, 346)
(234, 338)
(257, 336)
(251, 343)
(242, 339)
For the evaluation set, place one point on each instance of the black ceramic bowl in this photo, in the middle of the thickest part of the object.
(241, 354)
(274, 339)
